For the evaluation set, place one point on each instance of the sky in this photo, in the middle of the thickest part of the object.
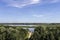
(29, 11)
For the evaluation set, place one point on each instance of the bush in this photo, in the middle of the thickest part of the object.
(13, 33)
(48, 33)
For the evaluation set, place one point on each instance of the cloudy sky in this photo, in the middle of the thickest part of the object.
(42, 11)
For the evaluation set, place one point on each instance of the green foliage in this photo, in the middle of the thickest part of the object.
(13, 33)
(43, 32)
(46, 33)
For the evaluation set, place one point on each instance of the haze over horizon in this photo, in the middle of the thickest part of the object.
(29, 11)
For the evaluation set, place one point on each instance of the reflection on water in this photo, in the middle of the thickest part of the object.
(31, 29)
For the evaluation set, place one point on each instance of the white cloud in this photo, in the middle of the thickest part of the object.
(38, 16)
(23, 3)
(35, 1)
(20, 3)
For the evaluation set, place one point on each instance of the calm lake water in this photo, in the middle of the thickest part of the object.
(22, 25)
(30, 29)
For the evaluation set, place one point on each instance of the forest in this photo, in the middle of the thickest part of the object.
(41, 32)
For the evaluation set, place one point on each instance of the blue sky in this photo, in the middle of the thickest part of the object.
(37, 11)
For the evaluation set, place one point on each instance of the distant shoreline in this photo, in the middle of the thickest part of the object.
(26, 23)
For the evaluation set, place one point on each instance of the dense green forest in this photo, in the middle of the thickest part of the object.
(13, 33)
(41, 32)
